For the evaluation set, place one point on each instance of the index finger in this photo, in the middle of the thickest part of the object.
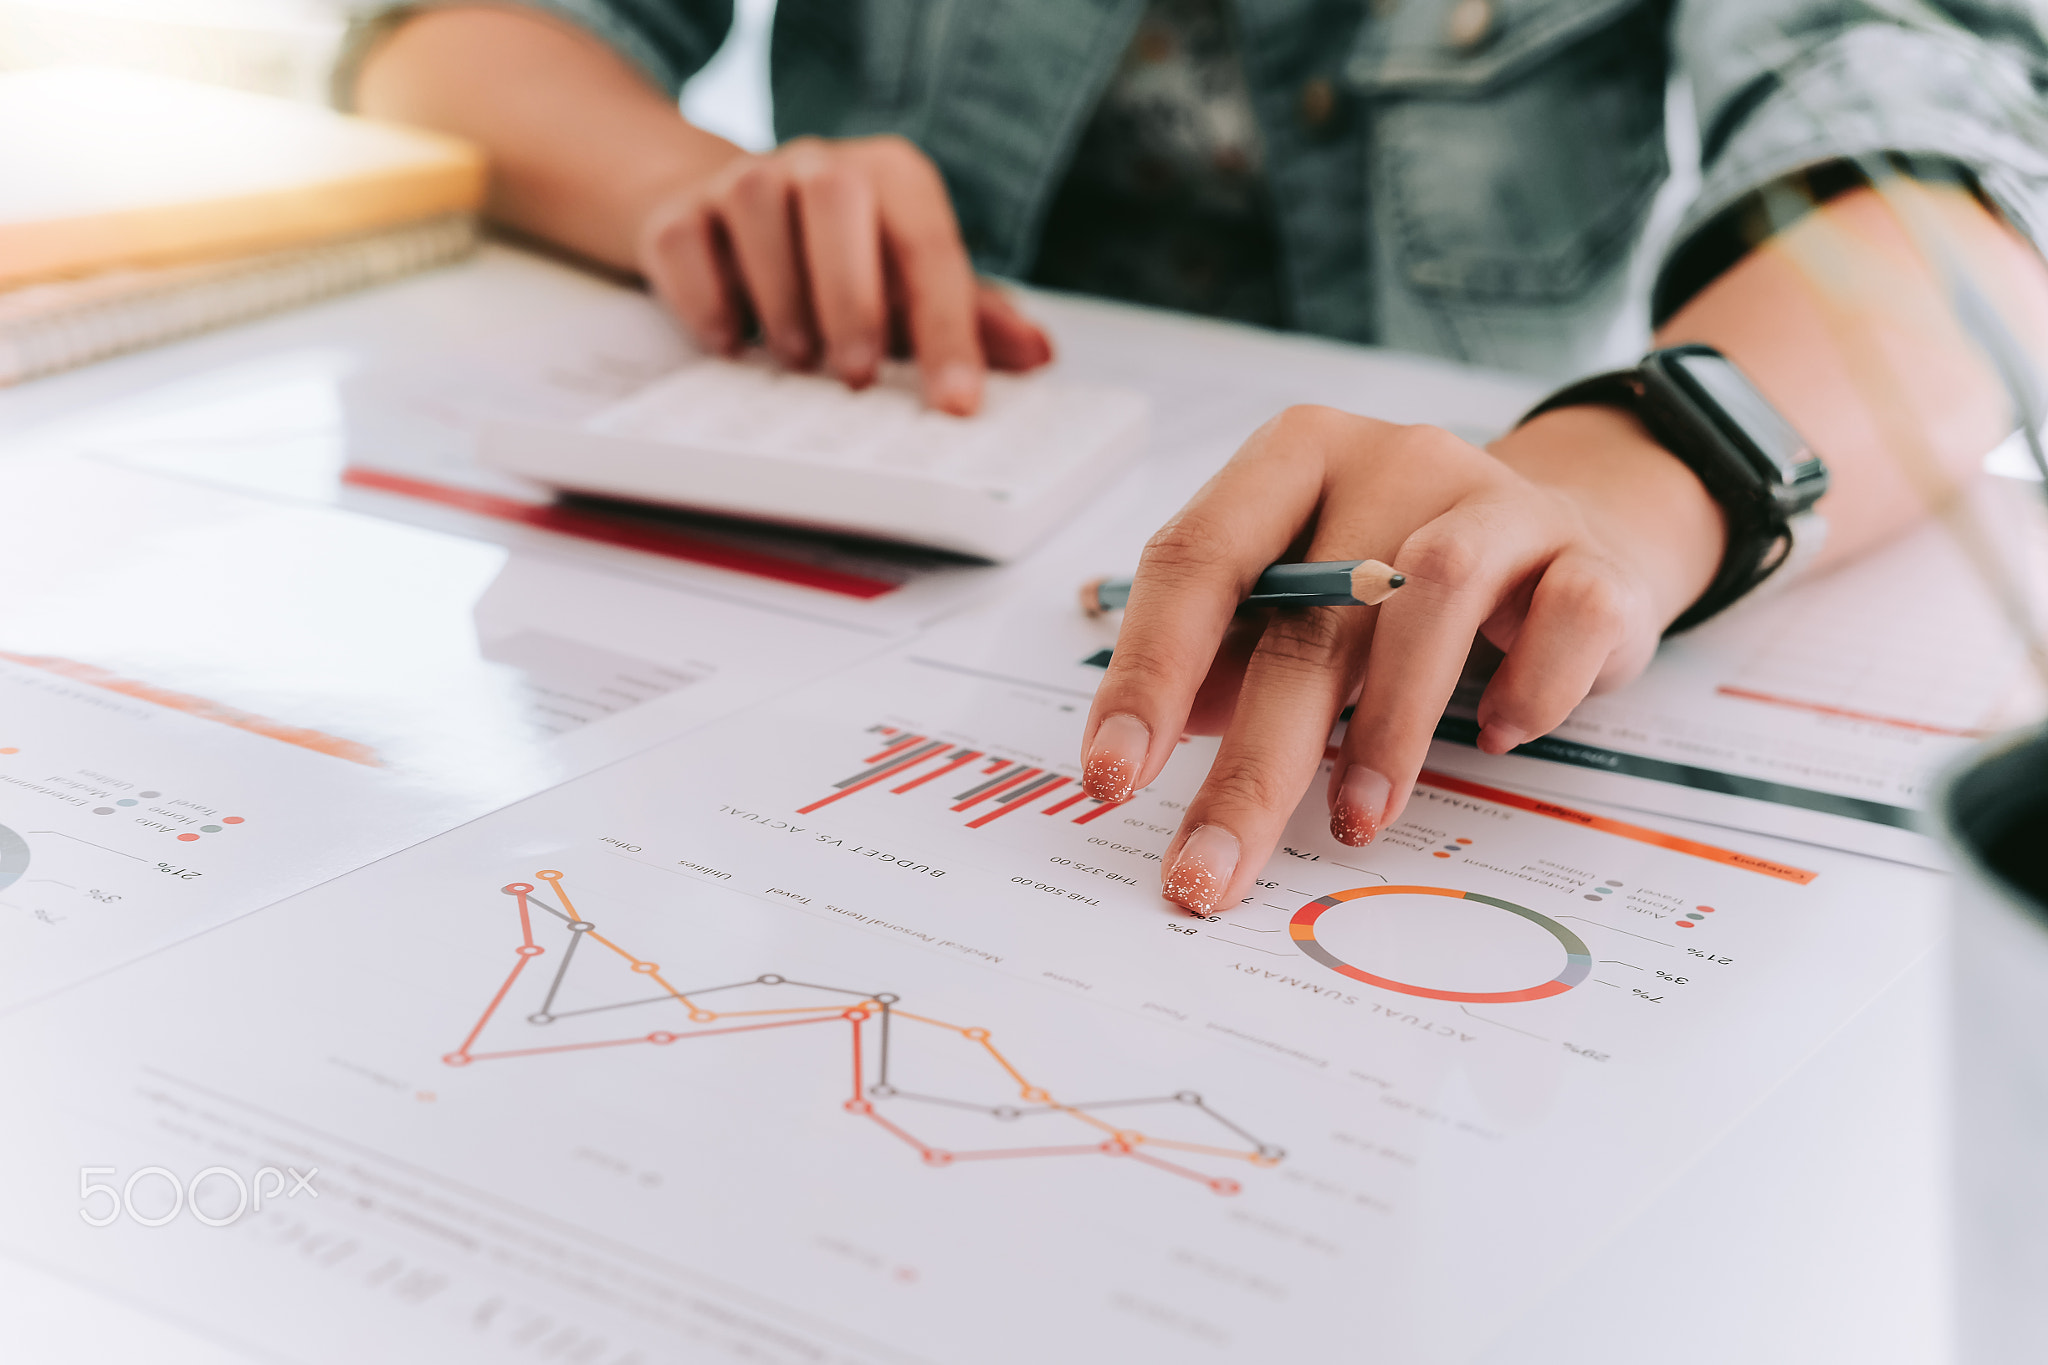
(942, 296)
(1192, 576)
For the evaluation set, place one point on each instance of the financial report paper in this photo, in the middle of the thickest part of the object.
(212, 701)
(849, 1029)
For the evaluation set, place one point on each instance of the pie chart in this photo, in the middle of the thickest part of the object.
(1334, 927)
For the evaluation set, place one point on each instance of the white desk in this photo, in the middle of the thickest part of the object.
(1812, 1230)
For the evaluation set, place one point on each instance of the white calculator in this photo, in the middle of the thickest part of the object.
(745, 438)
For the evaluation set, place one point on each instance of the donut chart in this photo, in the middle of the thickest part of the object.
(1578, 962)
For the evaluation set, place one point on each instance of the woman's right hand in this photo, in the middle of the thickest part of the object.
(843, 252)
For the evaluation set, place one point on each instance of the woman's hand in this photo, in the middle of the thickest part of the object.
(1569, 546)
(844, 252)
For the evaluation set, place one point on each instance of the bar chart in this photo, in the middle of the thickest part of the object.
(995, 786)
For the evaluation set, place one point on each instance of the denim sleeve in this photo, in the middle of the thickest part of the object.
(669, 40)
(1781, 85)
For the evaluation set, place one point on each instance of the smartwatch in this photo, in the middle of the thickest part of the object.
(1697, 405)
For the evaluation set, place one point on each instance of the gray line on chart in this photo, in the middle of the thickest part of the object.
(547, 1005)
(1256, 1142)
(837, 990)
(594, 1009)
(533, 899)
(89, 843)
(941, 1099)
(1509, 1027)
(882, 1062)
(1611, 929)
(1619, 963)
(1598, 982)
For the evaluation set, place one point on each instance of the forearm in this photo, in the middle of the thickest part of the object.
(1847, 330)
(1851, 335)
(581, 146)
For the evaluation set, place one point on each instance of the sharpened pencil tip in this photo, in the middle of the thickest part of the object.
(1373, 582)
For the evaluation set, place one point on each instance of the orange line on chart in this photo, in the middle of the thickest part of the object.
(794, 1009)
(1001, 1060)
(935, 1023)
(1845, 713)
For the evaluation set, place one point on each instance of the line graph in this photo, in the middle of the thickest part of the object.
(878, 1038)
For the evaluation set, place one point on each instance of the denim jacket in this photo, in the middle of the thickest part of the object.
(1466, 178)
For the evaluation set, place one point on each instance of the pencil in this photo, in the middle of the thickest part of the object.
(1344, 583)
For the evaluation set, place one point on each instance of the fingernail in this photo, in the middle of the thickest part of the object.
(1498, 739)
(1360, 806)
(855, 363)
(956, 388)
(1202, 872)
(1110, 771)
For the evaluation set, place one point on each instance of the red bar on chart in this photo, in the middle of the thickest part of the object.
(1059, 806)
(1019, 799)
(895, 747)
(1103, 809)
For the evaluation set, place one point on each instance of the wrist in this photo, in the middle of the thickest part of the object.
(1638, 499)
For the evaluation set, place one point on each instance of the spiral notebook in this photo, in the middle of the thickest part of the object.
(137, 208)
(50, 327)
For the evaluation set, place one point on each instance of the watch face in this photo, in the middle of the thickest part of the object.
(1782, 455)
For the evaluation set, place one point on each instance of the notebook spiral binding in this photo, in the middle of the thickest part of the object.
(59, 326)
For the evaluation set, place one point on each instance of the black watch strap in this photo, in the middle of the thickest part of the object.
(1758, 512)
